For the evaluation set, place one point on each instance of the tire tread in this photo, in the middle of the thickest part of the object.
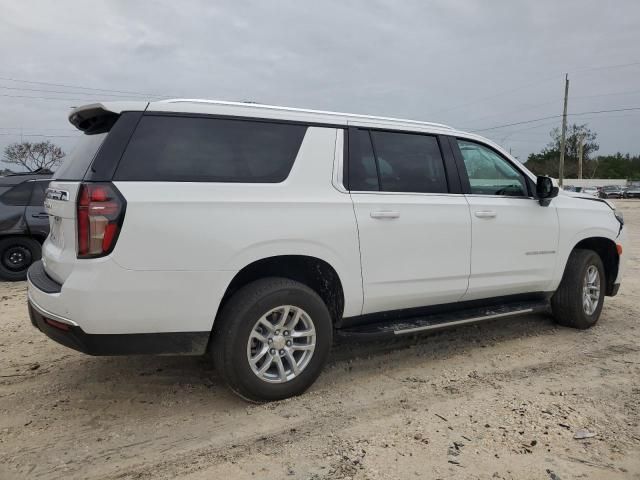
(567, 309)
(227, 327)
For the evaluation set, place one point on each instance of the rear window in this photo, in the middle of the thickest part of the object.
(76, 164)
(196, 149)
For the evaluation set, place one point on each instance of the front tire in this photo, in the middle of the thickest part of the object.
(579, 299)
(272, 339)
(16, 256)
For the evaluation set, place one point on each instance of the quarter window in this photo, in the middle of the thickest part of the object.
(195, 149)
(490, 173)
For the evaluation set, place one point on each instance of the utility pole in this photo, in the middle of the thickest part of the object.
(564, 129)
(580, 149)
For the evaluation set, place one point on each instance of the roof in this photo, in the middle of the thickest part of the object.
(83, 117)
(244, 109)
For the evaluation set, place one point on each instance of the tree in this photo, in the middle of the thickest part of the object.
(619, 166)
(547, 162)
(34, 156)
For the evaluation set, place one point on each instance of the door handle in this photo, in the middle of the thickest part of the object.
(40, 215)
(385, 214)
(485, 214)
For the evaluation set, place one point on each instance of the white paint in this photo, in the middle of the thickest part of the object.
(182, 243)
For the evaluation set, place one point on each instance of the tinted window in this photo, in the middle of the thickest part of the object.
(18, 195)
(37, 196)
(490, 173)
(409, 162)
(76, 164)
(167, 148)
(362, 164)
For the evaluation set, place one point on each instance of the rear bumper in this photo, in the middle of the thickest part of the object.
(70, 335)
(103, 298)
(53, 309)
(39, 279)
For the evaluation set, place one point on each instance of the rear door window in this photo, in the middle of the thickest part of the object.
(200, 149)
(409, 162)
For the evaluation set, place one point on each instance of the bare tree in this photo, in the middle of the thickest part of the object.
(34, 156)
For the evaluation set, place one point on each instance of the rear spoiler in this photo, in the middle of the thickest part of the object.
(97, 117)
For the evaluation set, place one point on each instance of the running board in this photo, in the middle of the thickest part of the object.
(425, 323)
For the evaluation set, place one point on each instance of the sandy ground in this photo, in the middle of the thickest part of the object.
(500, 400)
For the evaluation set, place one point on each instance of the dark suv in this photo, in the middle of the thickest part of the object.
(24, 224)
(611, 191)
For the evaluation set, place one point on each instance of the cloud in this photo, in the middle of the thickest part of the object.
(423, 60)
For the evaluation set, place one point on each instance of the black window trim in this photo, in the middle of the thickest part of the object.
(464, 177)
(346, 138)
(375, 160)
(107, 159)
(218, 116)
(451, 169)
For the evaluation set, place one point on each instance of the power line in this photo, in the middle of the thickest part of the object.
(39, 128)
(536, 82)
(39, 135)
(90, 99)
(612, 94)
(505, 92)
(80, 87)
(66, 93)
(606, 67)
(524, 108)
(555, 116)
(533, 106)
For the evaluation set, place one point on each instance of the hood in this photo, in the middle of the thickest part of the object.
(586, 196)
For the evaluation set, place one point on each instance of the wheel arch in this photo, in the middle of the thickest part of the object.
(608, 253)
(312, 271)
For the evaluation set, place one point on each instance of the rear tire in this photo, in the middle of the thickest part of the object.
(261, 350)
(578, 301)
(16, 256)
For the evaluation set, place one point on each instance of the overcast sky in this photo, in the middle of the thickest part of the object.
(471, 64)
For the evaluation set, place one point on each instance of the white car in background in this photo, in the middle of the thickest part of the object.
(255, 234)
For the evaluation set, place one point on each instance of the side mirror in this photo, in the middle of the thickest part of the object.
(545, 190)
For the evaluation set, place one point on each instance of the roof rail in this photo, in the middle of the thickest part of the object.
(252, 104)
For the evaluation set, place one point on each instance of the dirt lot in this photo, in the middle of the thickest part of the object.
(500, 400)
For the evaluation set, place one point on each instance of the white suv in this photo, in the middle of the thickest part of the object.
(255, 234)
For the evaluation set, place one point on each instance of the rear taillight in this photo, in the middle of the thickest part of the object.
(99, 216)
